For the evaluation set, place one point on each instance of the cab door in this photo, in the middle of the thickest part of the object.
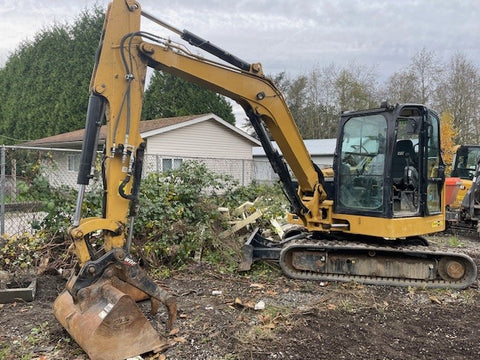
(435, 168)
(360, 164)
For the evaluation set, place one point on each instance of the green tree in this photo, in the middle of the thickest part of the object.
(44, 83)
(356, 88)
(168, 96)
(418, 82)
(317, 99)
(458, 94)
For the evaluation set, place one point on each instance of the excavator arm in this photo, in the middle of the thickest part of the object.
(265, 108)
(117, 85)
(246, 84)
(98, 304)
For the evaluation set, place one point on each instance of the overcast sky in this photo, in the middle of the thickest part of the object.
(288, 35)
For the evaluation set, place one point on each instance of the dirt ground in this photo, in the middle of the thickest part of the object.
(301, 319)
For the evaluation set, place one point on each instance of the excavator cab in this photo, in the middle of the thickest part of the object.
(379, 166)
(465, 162)
(462, 211)
(464, 167)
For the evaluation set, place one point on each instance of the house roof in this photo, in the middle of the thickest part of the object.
(315, 147)
(147, 128)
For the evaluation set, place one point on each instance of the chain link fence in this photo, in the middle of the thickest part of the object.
(28, 174)
(244, 171)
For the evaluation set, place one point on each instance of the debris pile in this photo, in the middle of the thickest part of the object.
(247, 216)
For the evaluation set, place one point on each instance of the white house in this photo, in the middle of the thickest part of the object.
(321, 152)
(170, 141)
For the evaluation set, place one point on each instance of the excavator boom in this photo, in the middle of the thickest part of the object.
(98, 307)
(98, 304)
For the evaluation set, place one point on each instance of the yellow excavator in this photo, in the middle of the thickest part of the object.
(363, 224)
(463, 209)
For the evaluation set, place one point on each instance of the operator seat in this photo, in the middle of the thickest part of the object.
(403, 157)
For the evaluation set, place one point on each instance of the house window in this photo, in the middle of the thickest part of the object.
(73, 162)
(171, 164)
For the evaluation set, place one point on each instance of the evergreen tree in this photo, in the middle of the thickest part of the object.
(168, 96)
(44, 84)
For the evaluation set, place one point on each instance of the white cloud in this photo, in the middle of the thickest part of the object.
(288, 35)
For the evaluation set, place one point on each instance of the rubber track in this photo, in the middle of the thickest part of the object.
(409, 251)
(464, 230)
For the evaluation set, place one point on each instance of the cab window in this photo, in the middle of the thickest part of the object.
(362, 163)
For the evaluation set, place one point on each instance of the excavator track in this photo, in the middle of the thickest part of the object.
(402, 265)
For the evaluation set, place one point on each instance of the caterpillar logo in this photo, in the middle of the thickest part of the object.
(437, 223)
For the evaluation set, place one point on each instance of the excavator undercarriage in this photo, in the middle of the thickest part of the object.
(323, 257)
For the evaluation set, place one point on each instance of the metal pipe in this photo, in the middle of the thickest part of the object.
(162, 23)
(40, 148)
(130, 234)
(78, 207)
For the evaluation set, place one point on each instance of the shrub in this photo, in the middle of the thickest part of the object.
(59, 203)
(19, 252)
(178, 213)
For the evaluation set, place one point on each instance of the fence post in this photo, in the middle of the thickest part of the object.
(13, 177)
(2, 190)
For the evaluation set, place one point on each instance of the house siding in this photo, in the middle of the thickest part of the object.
(263, 171)
(57, 169)
(205, 139)
(208, 139)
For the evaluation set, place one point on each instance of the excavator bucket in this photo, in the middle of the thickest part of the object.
(107, 323)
